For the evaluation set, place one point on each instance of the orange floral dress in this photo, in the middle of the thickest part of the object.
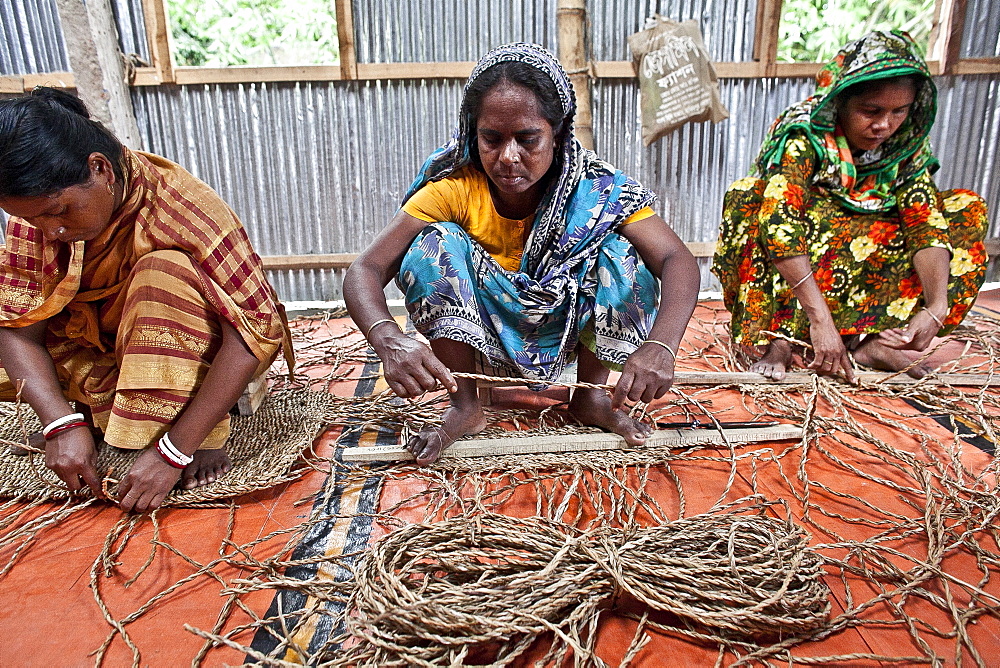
(862, 261)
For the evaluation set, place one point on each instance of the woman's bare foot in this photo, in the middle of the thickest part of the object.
(593, 408)
(872, 353)
(776, 360)
(208, 466)
(460, 419)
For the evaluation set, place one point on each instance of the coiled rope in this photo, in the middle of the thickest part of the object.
(445, 593)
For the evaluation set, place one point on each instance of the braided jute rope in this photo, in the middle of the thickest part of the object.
(487, 586)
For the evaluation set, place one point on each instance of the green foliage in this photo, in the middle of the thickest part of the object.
(217, 33)
(813, 30)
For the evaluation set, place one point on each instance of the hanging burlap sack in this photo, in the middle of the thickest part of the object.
(676, 79)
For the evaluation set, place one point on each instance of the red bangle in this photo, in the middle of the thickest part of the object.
(64, 427)
(167, 459)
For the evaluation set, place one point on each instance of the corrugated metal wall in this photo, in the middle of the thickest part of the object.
(319, 167)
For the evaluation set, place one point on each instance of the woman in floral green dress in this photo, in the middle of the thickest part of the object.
(839, 237)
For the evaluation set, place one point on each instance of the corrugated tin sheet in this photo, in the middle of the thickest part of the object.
(389, 31)
(981, 38)
(319, 167)
(131, 28)
(309, 167)
(727, 25)
(30, 37)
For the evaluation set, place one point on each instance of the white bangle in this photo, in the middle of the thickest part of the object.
(936, 319)
(802, 280)
(170, 451)
(661, 343)
(379, 322)
(58, 422)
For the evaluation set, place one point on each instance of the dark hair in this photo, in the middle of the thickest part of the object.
(46, 138)
(872, 85)
(520, 74)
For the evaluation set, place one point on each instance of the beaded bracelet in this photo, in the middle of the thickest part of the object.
(661, 343)
(59, 422)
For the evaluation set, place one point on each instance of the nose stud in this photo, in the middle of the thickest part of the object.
(60, 231)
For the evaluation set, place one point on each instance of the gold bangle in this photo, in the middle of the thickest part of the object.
(377, 323)
(661, 343)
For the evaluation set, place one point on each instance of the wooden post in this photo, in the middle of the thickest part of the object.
(571, 18)
(92, 46)
(946, 36)
(765, 44)
(345, 38)
(158, 36)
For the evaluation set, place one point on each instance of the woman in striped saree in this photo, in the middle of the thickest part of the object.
(129, 288)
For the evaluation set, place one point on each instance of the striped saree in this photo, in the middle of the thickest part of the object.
(134, 315)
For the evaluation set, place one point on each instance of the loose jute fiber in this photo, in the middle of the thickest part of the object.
(262, 448)
(492, 585)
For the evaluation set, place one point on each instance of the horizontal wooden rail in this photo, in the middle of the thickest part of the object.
(608, 69)
(344, 260)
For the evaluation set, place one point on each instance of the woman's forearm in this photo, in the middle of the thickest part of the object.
(26, 360)
(798, 273)
(231, 370)
(932, 266)
(678, 298)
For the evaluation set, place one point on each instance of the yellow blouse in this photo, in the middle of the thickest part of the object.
(464, 198)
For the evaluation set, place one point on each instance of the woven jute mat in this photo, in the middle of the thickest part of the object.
(263, 447)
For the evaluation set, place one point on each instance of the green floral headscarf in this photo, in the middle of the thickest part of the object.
(868, 181)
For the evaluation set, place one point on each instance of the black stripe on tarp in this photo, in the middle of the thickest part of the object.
(286, 602)
(964, 428)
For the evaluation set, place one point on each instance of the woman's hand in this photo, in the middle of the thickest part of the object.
(647, 375)
(830, 354)
(147, 483)
(410, 367)
(916, 335)
(72, 456)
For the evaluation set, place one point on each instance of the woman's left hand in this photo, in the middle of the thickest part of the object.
(147, 483)
(916, 335)
(647, 375)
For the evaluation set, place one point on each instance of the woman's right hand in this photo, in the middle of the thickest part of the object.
(72, 456)
(830, 353)
(410, 367)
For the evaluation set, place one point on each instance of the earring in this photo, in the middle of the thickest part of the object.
(111, 189)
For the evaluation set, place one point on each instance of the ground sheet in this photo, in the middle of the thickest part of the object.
(871, 540)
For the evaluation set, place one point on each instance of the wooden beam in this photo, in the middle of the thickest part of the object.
(344, 260)
(159, 37)
(805, 378)
(253, 74)
(345, 39)
(571, 22)
(442, 70)
(767, 30)
(91, 37)
(977, 66)
(946, 35)
(12, 84)
(318, 261)
(530, 445)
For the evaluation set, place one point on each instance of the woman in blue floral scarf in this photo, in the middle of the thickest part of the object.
(839, 236)
(516, 242)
